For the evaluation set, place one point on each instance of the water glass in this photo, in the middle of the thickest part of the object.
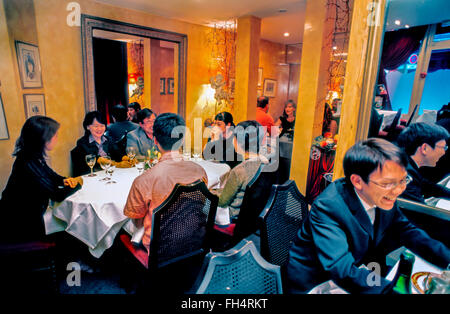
(105, 164)
(90, 160)
(110, 171)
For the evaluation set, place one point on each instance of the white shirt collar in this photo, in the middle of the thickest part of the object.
(370, 210)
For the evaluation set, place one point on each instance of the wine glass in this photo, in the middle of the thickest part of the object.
(131, 153)
(140, 163)
(110, 171)
(90, 160)
(105, 164)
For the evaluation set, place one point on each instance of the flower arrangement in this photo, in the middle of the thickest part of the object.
(326, 142)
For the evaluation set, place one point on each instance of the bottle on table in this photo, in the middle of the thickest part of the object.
(402, 280)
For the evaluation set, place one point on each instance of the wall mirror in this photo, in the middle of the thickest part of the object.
(125, 63)
(414, 66)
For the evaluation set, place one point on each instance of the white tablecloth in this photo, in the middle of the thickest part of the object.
(94, 214)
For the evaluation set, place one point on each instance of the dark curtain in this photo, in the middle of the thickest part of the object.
(110, 74)
(397, 47)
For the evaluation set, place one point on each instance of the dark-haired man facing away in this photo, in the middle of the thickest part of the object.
(356, 221)
(424, 144)
(150, 189)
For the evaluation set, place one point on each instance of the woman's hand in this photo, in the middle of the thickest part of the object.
(73, 182)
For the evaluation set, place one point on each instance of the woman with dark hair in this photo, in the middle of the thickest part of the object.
(32, 182)
(286, 121)
(247, 140)
(221, 147)
(94, 142)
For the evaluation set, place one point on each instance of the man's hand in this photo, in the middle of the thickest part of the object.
(73, 182)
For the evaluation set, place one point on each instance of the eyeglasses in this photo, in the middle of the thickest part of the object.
(393, 185)
(445, 147)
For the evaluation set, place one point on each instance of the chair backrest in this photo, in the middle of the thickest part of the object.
(280, 221)
(376, 120)
(240, 270)
(181, 223)
(118, 147)
(255, 198)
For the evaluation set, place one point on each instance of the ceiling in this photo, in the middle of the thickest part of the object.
(275, 23)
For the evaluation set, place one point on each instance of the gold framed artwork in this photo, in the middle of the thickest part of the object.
(170, 85)
(34, 105)
(4, 135)
(29, 65)
(162, 86)
(270, 88)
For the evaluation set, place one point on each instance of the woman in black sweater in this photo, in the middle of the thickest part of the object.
(32, 182)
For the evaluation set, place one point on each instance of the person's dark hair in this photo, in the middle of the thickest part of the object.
(226, 117)
(419, 133)
(367, 156)
(290, 101)
(36, 132)
(169, 130)
(262, 101)
(249, 135)
(143, 114)
(89, 119)
(207, 123)
(135, 105)
(119, 112)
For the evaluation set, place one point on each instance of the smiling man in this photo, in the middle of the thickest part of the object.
(424, 144)
(356, 221)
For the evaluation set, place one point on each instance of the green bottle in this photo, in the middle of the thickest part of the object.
(403, 277)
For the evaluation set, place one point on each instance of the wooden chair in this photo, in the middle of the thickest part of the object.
(240, 270)
(181, 227)
(255, 198)
(280, 221)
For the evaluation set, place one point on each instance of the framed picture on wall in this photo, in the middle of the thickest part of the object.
(34, 105)
(29, 65)
(162, 86)
(4, 135)
(270, 88)
(170, 85)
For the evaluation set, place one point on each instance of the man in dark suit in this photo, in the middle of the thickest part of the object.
(356, 221)
(424, 144)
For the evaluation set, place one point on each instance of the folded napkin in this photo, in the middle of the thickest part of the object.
(222, 216)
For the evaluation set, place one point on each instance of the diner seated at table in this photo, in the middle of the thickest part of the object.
(32, 183)
(150, 189)
(442, 169)
(424, 144)
(142, 138)
(121, 125)
(221, 147)
(246, 140)
(356, 221)
(286, 121)
(93, 142)
(133, 109)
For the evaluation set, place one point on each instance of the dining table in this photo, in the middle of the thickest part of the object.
(94, 214)
(421, 268)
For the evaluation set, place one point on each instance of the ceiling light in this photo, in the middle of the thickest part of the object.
(397, 22)
(286, 34)
(406, 26)
(334, 47)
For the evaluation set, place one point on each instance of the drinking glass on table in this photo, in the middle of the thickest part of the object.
(131, 153)
(90, 160)
(110, 171)
(105, 163)
(140, 163)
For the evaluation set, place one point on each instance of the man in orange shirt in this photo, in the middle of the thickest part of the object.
(261, 113)
(150, 189)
